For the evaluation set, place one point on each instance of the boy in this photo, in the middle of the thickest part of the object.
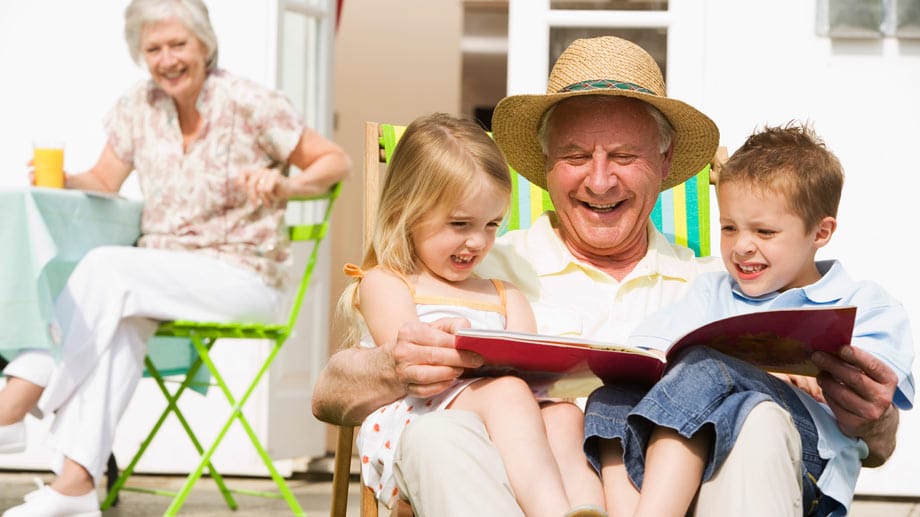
(778, 198)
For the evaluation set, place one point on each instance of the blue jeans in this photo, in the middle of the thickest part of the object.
(701, 387)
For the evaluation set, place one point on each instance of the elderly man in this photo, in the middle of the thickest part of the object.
(603, 141)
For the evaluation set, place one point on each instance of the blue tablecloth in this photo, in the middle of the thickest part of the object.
(44, 232)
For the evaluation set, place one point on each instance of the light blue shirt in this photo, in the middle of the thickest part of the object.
(882, 328)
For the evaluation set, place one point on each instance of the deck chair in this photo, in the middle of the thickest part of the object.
(203, 336)
(681, 213)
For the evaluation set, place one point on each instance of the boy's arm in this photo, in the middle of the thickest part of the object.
(859, 388)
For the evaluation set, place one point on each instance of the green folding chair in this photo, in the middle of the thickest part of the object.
(203, 336)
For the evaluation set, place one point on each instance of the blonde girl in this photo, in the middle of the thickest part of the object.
(445, 195)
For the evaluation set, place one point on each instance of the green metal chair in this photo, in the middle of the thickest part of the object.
(203, 336)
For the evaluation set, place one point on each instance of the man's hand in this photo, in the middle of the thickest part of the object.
(422, 362)
(859, 389)
(424, 359)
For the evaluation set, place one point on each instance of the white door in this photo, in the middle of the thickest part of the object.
(306, 30)
(539, 30)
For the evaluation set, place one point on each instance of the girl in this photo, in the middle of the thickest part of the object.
(444, 197)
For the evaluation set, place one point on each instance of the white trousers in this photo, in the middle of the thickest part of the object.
(109, 309)
(446, 466)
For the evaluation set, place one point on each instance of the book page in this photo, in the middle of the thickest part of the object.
(542, 359)
(777, 340)
(543, 339)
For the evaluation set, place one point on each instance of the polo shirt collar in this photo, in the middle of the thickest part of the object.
(555, 257)
(826, 290)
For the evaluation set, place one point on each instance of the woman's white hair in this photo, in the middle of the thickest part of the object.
(192, 13)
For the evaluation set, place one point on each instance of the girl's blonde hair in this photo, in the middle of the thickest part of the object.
(437, 162)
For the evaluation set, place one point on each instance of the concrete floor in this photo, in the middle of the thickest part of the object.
(205, 501)
(314, 497)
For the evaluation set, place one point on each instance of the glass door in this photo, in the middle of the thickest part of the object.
(539, 30)
(305, 39)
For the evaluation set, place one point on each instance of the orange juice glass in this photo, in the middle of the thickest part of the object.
(48, 163)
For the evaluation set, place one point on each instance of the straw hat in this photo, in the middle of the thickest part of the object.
(602, 66)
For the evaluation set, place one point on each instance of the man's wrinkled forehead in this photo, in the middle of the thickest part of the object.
(598, 119)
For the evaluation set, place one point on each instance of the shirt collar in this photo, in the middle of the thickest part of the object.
(662, 257)
(826, 290)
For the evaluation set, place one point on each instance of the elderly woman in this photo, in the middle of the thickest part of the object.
(211, 152)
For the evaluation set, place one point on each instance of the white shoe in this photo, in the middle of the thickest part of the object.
(13, 438)
(46, 502)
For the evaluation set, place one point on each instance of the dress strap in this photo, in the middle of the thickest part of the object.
(500, 307)
(355, 271)
(502, 298)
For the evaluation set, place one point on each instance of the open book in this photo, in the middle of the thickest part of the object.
(776, 340)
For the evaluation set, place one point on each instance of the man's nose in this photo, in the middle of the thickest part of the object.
(602, 176)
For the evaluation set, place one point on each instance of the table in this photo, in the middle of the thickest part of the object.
(44, 232)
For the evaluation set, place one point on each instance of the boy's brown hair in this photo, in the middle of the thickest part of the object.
(791, 160)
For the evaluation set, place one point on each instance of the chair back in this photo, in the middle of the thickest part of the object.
(681, 213)
(319, 209)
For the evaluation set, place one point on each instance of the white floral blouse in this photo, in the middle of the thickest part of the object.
(190, 200)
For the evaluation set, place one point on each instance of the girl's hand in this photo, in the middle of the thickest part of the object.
(265, 186)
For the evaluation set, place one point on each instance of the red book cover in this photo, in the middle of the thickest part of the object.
(776, 340)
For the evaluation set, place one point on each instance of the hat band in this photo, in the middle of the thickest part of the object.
(604, 84)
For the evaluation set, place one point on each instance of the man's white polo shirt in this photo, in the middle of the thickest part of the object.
(573, 298)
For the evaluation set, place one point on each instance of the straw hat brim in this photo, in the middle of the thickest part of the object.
(517, 119)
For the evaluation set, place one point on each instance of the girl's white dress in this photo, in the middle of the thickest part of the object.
(379, 434)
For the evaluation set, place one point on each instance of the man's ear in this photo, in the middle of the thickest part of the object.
(826, 228)
(666, 163)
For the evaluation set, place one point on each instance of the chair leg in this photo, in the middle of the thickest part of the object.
(368, 502)
(171, 407)
(341, 471)
(236, 414)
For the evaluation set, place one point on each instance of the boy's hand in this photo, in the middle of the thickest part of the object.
(803, 382)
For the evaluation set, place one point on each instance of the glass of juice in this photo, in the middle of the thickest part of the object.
(48, 163)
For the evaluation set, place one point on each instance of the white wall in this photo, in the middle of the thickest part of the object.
(763, 63)
(65, 63)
